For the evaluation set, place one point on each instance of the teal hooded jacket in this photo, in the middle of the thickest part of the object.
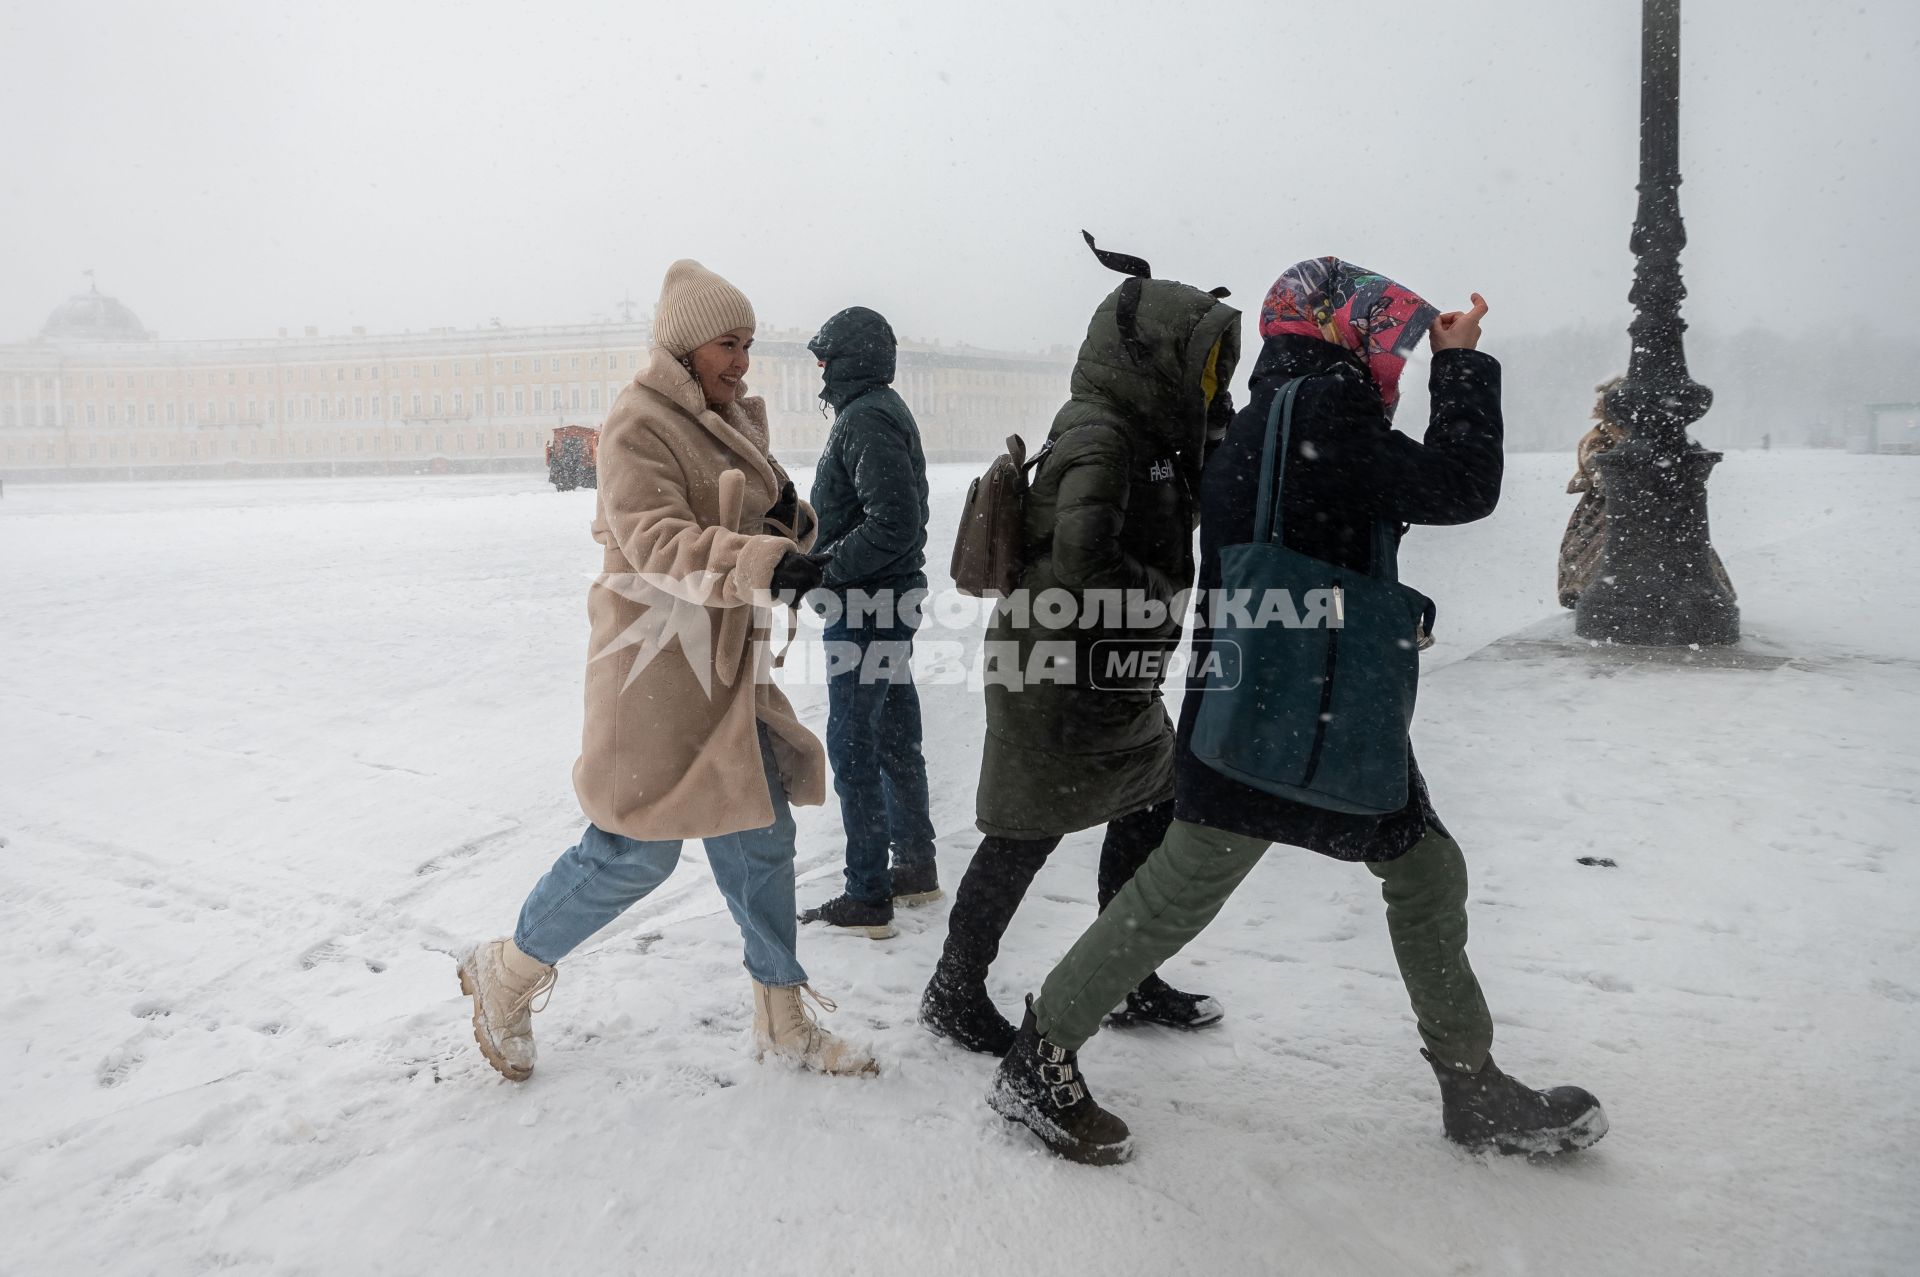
(870, 486)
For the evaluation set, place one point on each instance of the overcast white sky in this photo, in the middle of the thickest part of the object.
(230, 168)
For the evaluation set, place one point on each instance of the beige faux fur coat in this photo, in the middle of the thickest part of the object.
(678, 663)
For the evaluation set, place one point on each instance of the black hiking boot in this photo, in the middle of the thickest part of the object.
(1488, 1109)
(960, 1011)
(916, 886)
(843, 912)
(1039, 1086)
(1157, 1002)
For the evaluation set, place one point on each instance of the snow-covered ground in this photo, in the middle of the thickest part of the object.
(269, 750)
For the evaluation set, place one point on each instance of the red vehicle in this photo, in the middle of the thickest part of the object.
(572, 458)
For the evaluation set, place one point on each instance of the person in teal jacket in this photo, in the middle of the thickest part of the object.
(870, 496)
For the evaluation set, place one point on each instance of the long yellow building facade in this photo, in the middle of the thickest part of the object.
(96, 395)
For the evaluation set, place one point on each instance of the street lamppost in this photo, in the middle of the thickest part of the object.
(1656, 583)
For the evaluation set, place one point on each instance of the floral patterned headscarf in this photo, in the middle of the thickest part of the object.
(1350, 306)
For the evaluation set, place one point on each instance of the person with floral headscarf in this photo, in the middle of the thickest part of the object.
(1345, 333)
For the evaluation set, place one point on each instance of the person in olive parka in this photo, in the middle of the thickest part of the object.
(870, 496)
(1087, 741)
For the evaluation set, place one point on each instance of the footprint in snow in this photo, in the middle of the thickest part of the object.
(1598, 979)
(116, 1067)
(324, 952)
(333, 951)
(689, 1080)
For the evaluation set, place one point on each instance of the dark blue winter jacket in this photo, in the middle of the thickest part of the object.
(870, 487)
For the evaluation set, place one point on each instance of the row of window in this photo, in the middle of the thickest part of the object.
(954, 379)
(543, 399)
(257, 446)
(370, 441)
(370, 372)
(321, 408)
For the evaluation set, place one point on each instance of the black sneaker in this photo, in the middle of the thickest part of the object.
(1157, 1002)
(916, 886)
(1488, 1109)
(962, 1012)
(1039, 1086)
(874, 921)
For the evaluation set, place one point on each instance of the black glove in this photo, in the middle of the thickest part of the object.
(786, 511)
(1219, 418)
(796, 574)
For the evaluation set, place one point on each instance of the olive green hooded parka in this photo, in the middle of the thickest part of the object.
(1109, 521)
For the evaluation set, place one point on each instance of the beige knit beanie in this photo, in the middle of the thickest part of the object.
(696, 306)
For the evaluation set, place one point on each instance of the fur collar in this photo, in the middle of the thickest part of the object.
(742, 427)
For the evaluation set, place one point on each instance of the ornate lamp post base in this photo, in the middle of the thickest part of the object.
(1657, 586)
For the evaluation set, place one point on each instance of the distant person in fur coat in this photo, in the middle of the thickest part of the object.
(1584, 546)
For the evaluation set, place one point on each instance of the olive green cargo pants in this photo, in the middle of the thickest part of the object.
(1189, 877)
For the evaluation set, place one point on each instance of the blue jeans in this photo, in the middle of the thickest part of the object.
(605, 874)
(873, 742)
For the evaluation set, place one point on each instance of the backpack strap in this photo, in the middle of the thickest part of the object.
(1033, 463)
(1386, 551)
(1267, 516)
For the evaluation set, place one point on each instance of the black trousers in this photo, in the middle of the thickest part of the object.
(1002, 869)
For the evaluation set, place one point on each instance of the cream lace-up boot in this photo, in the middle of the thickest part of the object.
(785, 1026)
(503, 982)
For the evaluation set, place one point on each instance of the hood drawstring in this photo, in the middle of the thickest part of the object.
(1127, 313)
(1139, 350)
(1127, 309)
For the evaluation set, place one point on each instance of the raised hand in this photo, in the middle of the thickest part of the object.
(1458, 329)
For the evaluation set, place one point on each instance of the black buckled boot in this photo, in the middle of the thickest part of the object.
(1039, 1086)
(1488, 1109)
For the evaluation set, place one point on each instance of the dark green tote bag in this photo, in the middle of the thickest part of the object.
(1318, 711)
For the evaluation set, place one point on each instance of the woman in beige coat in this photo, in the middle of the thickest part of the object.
(686, 736)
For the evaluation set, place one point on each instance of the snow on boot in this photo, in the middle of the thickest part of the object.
(960, 1010)
(844, 913)
(1039, 1086)
(785, 1026)
(1157, 1002)
(503, 982)
(915, 886)
(1488, 1109)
